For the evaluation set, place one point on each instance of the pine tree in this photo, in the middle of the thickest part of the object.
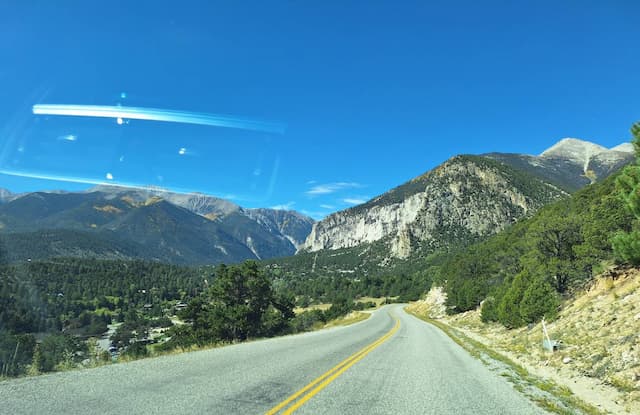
(509, 307)
(626, 246)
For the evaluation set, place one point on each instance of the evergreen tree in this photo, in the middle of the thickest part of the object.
(626, 245)
(539, 300)
(509, 307)
(554, 241)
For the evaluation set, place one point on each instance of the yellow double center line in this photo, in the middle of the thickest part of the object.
(309, 391)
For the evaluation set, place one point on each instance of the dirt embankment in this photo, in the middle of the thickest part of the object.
(599, 359)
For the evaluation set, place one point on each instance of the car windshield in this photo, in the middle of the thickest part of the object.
(240, 207)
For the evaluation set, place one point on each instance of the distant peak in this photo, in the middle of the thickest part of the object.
(583, 152)
(569, 147)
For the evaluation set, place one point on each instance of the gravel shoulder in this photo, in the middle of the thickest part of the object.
(599, 361)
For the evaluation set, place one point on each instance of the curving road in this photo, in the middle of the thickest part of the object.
(392, 363)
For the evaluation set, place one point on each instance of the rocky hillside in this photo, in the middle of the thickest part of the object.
(116, 222)
(571, 163)
(463, 199)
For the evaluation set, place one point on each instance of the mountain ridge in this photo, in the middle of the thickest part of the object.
(464, 194)
(449, 207)
(150, 224)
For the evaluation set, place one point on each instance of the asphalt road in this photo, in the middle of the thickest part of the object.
(392, 363)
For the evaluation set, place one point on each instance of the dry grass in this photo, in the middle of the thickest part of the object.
(377, 300)
(351, 318)
(600, 331)
(322, 307)
(325, 306)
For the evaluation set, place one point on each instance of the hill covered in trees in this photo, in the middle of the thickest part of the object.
(523, 274)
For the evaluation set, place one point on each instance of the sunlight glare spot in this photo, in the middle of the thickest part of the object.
(68, 137)
(109, 176)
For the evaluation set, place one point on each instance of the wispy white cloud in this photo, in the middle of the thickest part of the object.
(284, 206)
(327, 206)
(328, 188)
(358, 200)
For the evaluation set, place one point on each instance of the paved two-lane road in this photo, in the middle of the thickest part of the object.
(392, 363)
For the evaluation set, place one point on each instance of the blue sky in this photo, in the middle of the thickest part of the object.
(371, 93)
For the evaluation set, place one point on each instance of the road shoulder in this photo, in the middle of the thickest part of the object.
(544, 392)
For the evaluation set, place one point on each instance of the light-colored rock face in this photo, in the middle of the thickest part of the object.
(458, 198)
(341, 230)
(574, 149)
(584, 152)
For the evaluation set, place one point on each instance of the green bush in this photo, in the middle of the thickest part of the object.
(57, 350)
(539, 300)
(509, 307)
(306, 320)
(136, 350)
(489, 310)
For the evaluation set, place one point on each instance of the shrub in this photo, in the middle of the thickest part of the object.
(539, 300)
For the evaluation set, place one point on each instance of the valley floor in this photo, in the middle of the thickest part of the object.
(599, 359)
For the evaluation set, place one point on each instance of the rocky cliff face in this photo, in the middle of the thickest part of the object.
(464, 198)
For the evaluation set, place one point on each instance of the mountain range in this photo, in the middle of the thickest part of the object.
(468, 197)
(463, 200)
(116, 222)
